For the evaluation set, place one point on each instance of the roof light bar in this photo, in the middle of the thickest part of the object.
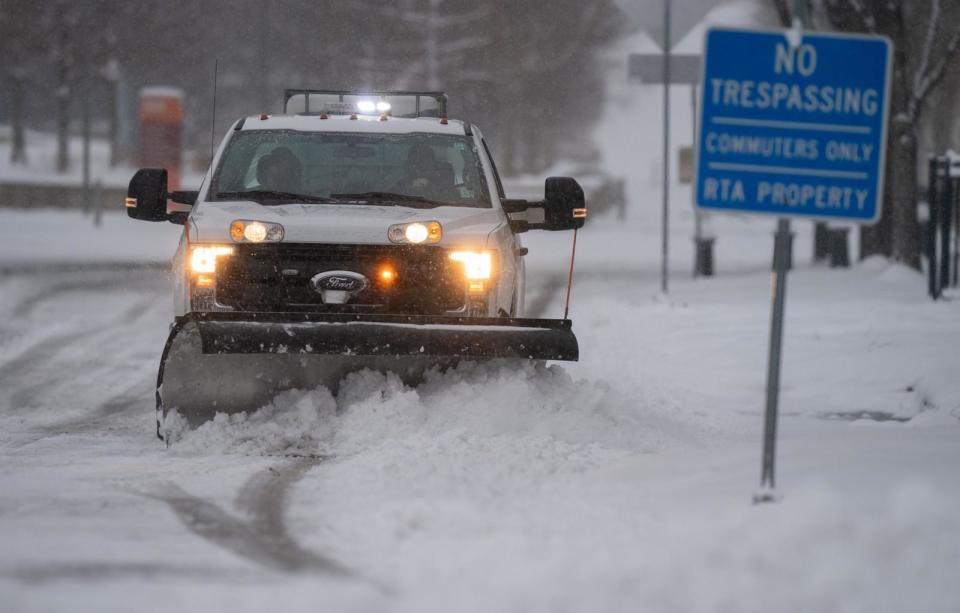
(347, 102)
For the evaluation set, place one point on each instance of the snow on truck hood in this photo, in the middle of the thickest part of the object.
(344, 223)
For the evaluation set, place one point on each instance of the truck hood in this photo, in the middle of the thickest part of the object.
(344, 223)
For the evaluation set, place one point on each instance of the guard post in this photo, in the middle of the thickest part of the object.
(792, 124)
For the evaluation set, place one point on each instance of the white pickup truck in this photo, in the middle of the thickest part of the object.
(356, 230)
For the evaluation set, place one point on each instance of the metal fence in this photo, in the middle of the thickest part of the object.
(942, 244)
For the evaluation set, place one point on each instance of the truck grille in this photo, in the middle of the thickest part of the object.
(276, 277)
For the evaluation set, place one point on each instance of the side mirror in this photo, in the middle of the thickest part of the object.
(564, 207)
(147, 195)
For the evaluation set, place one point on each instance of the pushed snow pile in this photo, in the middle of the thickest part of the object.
(497, 399)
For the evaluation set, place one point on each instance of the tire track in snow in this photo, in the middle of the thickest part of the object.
(107, 571)
(47, 268)
(47, 348)
(58, 280)
(263, 538)
(43, 351)
(265, 498)
(46, 352)
(101, 418)
(38, 354)
(29, 304)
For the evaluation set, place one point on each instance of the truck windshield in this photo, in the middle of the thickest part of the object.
(282, 166)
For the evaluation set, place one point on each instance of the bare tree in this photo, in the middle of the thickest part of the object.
(17, 48)
(63, 20)
(526, 71)
(925, 45)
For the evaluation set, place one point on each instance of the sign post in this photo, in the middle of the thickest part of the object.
(684, 69)
(665, 221)
(791, 124)
(781, 256)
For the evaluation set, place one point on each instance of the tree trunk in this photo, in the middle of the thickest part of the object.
(875, 239)
(63, 99)
(897, 234)
(905, 235)
(18, 150)
(63, 131)
(114, 122)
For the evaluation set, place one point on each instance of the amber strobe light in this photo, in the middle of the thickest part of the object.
(386, 274)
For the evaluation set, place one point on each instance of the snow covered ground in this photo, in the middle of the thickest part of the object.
(622, 482)
(619, 483)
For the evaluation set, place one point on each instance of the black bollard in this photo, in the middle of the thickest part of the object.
(703, 265)
(946, 204)
(839, 248)
(956, 238)
(821, 246)
(933, 208)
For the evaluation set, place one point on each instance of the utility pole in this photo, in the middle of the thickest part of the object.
(666, 148)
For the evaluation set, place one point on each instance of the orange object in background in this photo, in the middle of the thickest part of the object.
(161, 131)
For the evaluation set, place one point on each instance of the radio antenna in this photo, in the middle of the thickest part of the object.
(213, 122)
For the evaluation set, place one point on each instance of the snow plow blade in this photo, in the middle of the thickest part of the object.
(232, 362)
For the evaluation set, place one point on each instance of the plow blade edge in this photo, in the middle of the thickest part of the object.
(231, 362)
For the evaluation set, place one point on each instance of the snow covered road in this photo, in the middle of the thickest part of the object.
(618, 483)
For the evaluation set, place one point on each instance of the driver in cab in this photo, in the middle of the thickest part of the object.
(425, 176)
(280, 171)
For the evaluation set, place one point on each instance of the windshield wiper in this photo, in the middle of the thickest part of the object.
(391, 196)
(263, 194)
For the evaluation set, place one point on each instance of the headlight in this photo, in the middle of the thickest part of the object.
(416, 232)
(243, 230)
(203, 259)
(477, 264)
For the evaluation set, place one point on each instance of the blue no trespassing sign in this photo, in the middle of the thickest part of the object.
(793, 130)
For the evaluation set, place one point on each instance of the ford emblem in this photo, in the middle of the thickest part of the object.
(339, 281)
